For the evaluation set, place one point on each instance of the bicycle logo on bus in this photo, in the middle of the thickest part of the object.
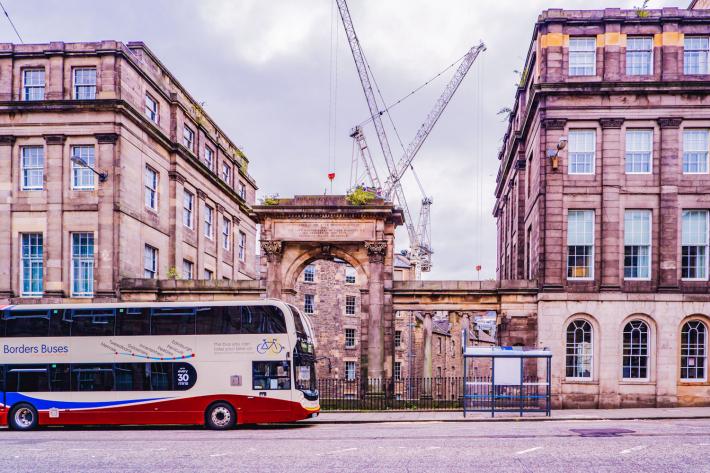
(270, 347)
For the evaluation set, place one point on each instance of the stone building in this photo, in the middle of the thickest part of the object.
(603, 200)
(111, 170)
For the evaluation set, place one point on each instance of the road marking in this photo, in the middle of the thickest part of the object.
(432, 448)
(633, 449)
(219, 454)
(522, 452)
(334, 452)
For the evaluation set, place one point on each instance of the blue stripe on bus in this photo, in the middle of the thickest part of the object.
(15, 397)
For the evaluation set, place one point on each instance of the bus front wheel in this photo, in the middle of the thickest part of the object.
(23, 417)
(220, 416)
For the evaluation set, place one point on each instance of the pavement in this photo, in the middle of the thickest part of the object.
(457, 416)
(561, 446)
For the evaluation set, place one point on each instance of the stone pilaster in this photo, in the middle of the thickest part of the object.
(177, 192)
(610, 171)
(273, 250)
(199, 211)
(376, 251)
(219, 217)
(54, 238)
(6, 164)
(106, 153)
(668, 214)
(551, 260)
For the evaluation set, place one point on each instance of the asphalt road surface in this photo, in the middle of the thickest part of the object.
(549, 446)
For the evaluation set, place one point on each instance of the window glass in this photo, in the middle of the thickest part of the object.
(270, 375)
(173, 321)
(82, 269)
(90, 377)
(637, 244)
(91, 322)
(695, 55)
(161, 376)
(132, 377)
(85, 83)
(27, 378)
(32, 264)
(59, 378)
(309, 274)
(582, 56)
(27, 323)
(695, 151)
(639, 55)
(639, 144)
(694, 241)
(82, 177)
(133, 321)
(635, 354)
(33, 84)
(579, 350)
(580, 243)
(582, 147)
(693, 351)
(32, 167)
(263, 319)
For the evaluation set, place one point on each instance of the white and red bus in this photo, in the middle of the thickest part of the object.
(212, 363)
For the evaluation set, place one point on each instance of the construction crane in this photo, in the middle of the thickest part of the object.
(419, 236)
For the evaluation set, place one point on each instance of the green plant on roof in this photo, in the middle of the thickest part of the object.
(642, 11)
(270, 200)
(173, 273)
(360, 196)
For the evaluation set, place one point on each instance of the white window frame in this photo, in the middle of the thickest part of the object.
(82, 177)
(82, 85)
(633, 44)
(83, 262)
(684, 347)
(209, 157)
(698, 150)
(188, 209)
(32, 166)
(350, 370)
(692, 45)
(706, 245)
(152, 109)
(242, 246)
(226, 172)
(636, 150)
(579, 325)
(628, 219)
(350, 275)
(397, 371)
(627, 349)
(397, 338)
(188, 137)
(32, 261)
(242, 190)
(226, 233)
(208, 221)
(350, 309)
(150, 262)
(350, 342)
(32, 86)
(571, 241)
(580, 47)
(309, 308)
(150, 181)
(581, 134)
(188, 269)
(309, 273)
(208, 274)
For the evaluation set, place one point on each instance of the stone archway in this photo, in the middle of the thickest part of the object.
(297, 231)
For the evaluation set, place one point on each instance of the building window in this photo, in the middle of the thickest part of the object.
(309, 304)
(82, 177)
(639, 56)
(528, 253)
(579, 349)
(150, 262)
(226, 232)
(33, 84)
(349, 305)
(188, 269)
(32, 168)
(85, 83)
(188, 204)
(350, 370)
(350, 275)
(226, 173)
(397, 370)
(695, 55)
(151, 108)
(397, 338)
(188, 138)
(441, 347)
(242, 190)
(695, 151)
(209, 215)
(82, 264)
(582, 146)
(349, 338)
(309, 274)
(582, 56)
(639, 144)
(693, 351)
(635, 356)
(209, 157)
(694, 241)
(151, 188)
(208, 274)
(242, 246)
(637, 244)
(32, 264)
(580, 244)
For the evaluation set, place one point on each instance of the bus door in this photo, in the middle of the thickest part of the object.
(271, 389)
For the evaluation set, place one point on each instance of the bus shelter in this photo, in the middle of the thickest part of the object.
(506, 379)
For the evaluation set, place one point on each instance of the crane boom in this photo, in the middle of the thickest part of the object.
(431, 119)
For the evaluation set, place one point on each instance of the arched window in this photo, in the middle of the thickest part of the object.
(693, 351)
(578, 360)
(635, 354)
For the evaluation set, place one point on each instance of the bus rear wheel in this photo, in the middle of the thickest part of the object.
(23, 417)
(220, 416)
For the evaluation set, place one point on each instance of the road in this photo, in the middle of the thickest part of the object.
(540, 446)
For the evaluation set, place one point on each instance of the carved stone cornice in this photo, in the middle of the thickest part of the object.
(201, 194)
(273, 249)
(554, 123)
(55, 139)
(670, 122)
(236, 220)
(326, 249)
(7, 140)
(176, 176)
(611, 122)
(376, 250)
(106, 138)
(221, 209)
(520, 164)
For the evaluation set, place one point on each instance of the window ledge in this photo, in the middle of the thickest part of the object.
(580, 381)
(636, 382)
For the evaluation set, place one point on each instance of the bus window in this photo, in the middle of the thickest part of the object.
(132, 377)
(27, 378)
(91, 322)
(300, 329)
(173, 321)
(58, 325)
(59, 378)
(27, 323)
(161, 376)
(88, 377)
(274, 320)
(268, 375)
(133, 321)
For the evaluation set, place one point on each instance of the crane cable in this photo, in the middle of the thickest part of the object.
(332, 91)
(11, 23)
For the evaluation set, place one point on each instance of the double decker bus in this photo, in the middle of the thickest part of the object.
(211, 363)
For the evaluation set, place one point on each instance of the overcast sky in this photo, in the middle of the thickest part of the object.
(267, 71)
